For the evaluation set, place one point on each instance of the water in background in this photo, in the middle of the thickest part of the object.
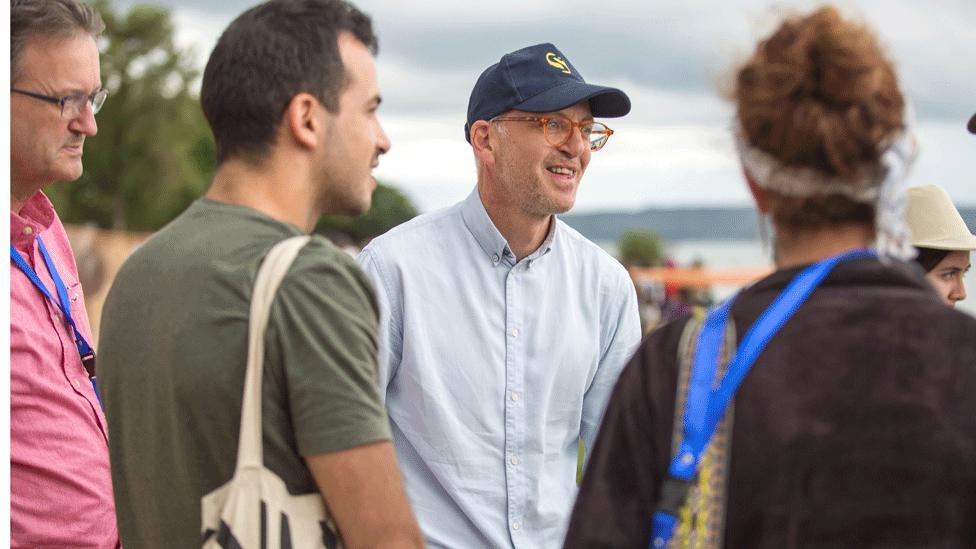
(730, 253)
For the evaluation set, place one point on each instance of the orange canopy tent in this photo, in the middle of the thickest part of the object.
(700, 277)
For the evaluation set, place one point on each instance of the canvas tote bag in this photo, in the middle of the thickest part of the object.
(254, 509)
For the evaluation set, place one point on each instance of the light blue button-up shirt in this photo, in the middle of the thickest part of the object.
(492, 369)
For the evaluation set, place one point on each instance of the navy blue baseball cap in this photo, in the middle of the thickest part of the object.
(538, 79)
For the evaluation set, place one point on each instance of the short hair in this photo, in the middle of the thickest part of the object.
(50, 19)
(269, 54)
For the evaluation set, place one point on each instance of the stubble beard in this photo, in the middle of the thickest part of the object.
(345, 202)
(528, 191)
(540, 204)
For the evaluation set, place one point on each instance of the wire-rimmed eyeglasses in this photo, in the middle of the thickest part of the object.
(71, 105)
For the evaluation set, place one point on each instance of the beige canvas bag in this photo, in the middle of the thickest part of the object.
(254, 509)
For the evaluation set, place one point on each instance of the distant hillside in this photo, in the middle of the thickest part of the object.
(684, 223)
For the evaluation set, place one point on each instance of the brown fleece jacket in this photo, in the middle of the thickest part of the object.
(856, 427)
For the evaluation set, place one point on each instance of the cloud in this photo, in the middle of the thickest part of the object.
(663, 165)
(662, 45)
(199, 30)
(677, 46)
(670, 57)
(642, 165)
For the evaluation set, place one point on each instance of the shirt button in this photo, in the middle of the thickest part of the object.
(514, 460)
(515, 332)
(514, 397)
(76, 383)
(494, 258)
(28, 230)
(516, 525)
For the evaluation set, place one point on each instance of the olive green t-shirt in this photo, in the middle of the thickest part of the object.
(172, 356)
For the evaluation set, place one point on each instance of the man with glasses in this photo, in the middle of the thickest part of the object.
(503, 330)
(60, 483)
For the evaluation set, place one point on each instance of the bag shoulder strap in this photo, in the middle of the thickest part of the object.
(701, 520)
(706, 404)
(272, 271)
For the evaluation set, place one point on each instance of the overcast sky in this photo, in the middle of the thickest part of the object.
(670, 57)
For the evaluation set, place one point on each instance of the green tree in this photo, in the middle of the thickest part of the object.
(390, 208)
(640, 248)
(153, 154)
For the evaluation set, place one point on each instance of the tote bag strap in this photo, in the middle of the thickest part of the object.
(273, 270)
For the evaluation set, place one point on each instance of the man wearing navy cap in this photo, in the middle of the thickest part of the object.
(503, 330)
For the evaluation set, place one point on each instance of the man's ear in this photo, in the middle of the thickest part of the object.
(480, 133)
(759, 194)
(301, 122)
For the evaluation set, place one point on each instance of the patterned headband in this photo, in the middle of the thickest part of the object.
(881, 186)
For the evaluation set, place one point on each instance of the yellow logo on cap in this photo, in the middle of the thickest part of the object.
(558, 62)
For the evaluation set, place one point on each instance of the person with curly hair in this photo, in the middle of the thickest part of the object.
(828, 404)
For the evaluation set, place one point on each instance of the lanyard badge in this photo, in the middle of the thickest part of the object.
(85, 350)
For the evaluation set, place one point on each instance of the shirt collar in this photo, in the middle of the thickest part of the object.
(546, 245)
(487, 235)
(481, 228)
(36, 216)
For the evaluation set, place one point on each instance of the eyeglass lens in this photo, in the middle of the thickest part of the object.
(74, 104)
(559, 130)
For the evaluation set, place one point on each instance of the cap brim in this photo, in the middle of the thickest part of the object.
(972, 124)
(605, 102)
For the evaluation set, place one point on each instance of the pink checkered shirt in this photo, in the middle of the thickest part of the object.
(60, 483)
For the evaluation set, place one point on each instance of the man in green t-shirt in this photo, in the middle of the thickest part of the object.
(290, 93)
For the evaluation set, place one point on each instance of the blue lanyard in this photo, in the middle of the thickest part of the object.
(84, 349)
(706, 404)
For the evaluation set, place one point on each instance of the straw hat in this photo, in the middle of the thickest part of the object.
(935, 222)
